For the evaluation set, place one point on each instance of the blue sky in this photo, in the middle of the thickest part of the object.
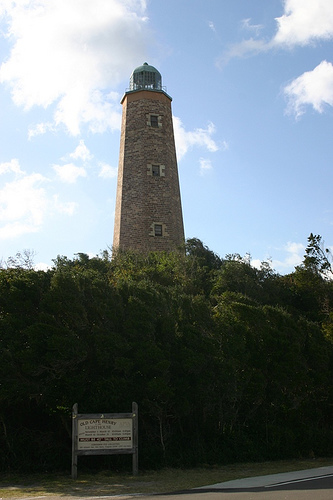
(252, 89)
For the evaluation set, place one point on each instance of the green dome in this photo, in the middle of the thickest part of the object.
(146, 77)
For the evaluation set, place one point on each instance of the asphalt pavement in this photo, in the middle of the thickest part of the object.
(274, 480)
(307, 484)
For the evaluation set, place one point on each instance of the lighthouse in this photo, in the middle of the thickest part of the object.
(148, 214)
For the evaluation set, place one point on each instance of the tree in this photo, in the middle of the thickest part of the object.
(22, 260)
(206, 257)
(317, 258)
(227, 362)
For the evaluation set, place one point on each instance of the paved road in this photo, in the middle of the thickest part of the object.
(301, 485)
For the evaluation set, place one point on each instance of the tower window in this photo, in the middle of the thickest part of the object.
(158, 230)
(156, 170)
(154, 121)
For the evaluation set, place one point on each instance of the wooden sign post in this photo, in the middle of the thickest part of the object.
(104, 434)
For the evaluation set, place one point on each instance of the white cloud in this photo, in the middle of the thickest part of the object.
(69, 172)
(304, 21)
(102, 112)
(16, 229)
(40, 128)
(70, 54)
(80, 107)
(294, 248)
(294, 257)
(197, 138)
(41, 266)
(25, 202)
(248, 47)
(205, 165)
(314, 88)
(68, 208)
(22, 205)
(81, 152)
(11, 166)
(107, 171)
(23, 196)
(256, 263)
(246, 25)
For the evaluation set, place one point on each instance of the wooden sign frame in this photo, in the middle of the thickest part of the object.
(104, 434)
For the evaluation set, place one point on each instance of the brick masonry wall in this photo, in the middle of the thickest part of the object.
(144, 199)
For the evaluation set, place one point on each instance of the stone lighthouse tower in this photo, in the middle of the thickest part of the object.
(148, 213)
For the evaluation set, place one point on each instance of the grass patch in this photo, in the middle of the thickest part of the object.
(166, 480)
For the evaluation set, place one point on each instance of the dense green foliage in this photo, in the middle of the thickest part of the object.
(226, 362)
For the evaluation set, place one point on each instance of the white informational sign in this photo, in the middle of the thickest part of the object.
(105, 434)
